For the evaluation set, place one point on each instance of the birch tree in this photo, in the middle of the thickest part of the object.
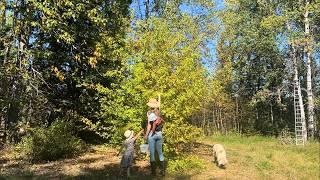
(308, 56)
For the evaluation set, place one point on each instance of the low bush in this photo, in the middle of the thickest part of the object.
(185, 164)
(56, 141)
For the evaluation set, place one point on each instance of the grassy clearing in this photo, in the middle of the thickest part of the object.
(249, 158)
(260, 157)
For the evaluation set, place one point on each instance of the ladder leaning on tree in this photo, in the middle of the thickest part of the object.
(2, 127)
(2, 131)
(300, 123)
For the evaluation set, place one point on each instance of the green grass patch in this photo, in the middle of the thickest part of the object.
(238, 139)
(258, 157)
(264, 165)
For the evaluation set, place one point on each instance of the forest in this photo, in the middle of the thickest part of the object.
(75, 74)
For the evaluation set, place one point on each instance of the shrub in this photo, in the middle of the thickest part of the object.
(179, 137)
(185, 164)
(54, 142)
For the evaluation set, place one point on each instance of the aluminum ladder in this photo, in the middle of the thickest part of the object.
(300, 123)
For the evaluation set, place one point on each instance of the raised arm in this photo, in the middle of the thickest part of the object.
(139, 133)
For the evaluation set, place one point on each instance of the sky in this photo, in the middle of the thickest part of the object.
(210, 62)
(212, 44)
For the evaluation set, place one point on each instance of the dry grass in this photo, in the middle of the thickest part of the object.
(100, 162)
(249, 158)
(265, 158)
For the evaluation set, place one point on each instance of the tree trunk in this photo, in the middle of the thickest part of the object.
(214, 118)
(203, 120)
(221, 122)
(147, 9)
(237, 116)
(208, 123)
(217, 118)
(3, 7)
(271, 114)
(307, 52)
(240, 121)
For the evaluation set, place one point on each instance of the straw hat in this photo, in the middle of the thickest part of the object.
(153, 103)
(128, 134)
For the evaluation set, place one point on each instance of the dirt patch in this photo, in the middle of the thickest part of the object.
(98, 163)
(260, 160)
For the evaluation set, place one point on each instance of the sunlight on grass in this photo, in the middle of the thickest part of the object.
(265, 158)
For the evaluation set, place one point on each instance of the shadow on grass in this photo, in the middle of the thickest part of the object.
(54, 171)
(202, 149)
(111, 172)
(93, 164)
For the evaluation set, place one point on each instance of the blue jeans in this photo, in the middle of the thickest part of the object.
(155, 143)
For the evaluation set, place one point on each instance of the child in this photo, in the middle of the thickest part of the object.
(128, 144)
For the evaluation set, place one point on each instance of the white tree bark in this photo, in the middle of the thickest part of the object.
(307, 51)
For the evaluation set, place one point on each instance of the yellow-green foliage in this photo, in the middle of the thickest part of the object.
(166, 60)
(179, 137)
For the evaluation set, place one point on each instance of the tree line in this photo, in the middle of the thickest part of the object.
(95, 63)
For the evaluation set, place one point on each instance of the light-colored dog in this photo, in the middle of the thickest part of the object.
(220, 156)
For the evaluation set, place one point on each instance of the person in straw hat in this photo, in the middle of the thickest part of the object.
(127, 157)
(155, 139)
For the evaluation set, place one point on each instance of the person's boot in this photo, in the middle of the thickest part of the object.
(162, 168)
(153, 168)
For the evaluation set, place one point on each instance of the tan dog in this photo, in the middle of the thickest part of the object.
(219, 155)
